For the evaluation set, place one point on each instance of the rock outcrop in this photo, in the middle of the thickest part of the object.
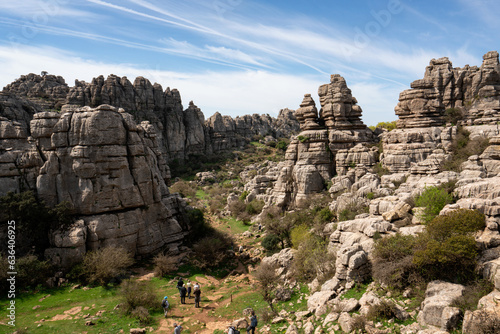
(311, 156)
(474, 90)
(110, 170)
(48, 91)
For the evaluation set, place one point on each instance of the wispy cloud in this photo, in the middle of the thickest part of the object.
(40, 10)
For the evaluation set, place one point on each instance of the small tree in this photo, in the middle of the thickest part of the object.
(268, 282)
(103, 265)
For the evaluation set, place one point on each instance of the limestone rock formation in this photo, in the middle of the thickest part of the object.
(49, 91)
(311, 156)
(307, 114)
(110, 170)
(474, 90)
(181, 133)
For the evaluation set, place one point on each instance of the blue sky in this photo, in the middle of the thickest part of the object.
(247, 56)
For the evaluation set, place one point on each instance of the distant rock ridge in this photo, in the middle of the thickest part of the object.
(182, 132)
(474, 90)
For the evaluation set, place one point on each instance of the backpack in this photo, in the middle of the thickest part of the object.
(164, 303)
(233, 330)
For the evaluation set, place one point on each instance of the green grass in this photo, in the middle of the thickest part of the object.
(63, 299)
(234, 226)
(356, 292)
(201, 194)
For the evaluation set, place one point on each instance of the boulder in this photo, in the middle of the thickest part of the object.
(436, 310)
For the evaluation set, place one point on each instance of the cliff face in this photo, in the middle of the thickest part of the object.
(183, 133)
(111, 171)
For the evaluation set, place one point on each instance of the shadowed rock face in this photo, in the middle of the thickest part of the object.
(474, 90)
(107, 167)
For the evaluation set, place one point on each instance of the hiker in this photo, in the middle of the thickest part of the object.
(165, 305)
(188, 285)
(253, 323)
(177, 329)
(183, 292)
(180, 283)
(197, 295)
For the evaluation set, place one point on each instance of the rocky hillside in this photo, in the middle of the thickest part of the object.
(373, 186)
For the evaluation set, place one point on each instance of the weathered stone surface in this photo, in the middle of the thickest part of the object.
(307, 114)
(474, 90)
(438, 297)
(319, 298)
(310, 157)
(491, 272)
(48, 91)
(282, 261)
(107, 167)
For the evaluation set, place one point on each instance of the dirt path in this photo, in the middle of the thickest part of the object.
(189, 316)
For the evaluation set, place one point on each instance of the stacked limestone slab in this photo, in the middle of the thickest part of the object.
(310, 157)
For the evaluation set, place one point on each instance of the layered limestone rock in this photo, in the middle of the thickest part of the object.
(110, 170)
(474, 90)
(310, 159)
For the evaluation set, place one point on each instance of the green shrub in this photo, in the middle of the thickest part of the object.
(212, 250)
(139, 297)
(453, 115)
(448, 249)
(33, 221)
(389, 126)
(254, 207)
(184, 188)
(197, 225)
(271, 243)
(312, 258)
(243, 195)
(462, 148)
(433, 199)
(473, 292)
(358, 324)
(380, 170)
(351, 212)
(141, 314)
(105, 264)
(370, 196)
(386, 310)
(302, 139)
(282, 145)
(393, 261)
(31, 272)
(456, 223)
(298, 235)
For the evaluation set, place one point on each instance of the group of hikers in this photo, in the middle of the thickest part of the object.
(186, 290)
